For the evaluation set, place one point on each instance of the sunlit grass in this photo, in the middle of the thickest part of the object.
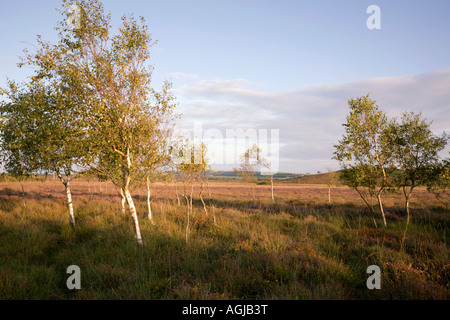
(300, 247)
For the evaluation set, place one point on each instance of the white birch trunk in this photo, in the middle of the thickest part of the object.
(149, 201)
(134, 216)
(123, 200)
(271, 182)
(176, 191)
(381, 209)
(329, 194)
(187, 219)
(407, 196)
(126, 191)
(70, 205)
(201, 197)
(189, 211)
(66, 184)
(210, 204)
(407, 212)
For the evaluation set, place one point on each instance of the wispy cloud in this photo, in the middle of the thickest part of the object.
(310, 120)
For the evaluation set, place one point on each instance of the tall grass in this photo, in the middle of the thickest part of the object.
(301, 247)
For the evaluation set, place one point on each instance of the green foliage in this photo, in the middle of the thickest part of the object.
(366, 163)
(90, 104)
(364, 176)
(378, 154)
(415, 150)
(248, 162)
(108, 78)
(40, 129)
(437, 180)
(361, 143)
(192, 160)
(16, 124)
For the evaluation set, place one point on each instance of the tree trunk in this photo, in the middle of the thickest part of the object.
(149, 200)
(201, 197)
(190, 201)
(23, 194)
(437, 195)
(374, 222)
(407, 197)
(210, 202)
(126, 185)
(176, 191)
(370, 206)
(329, 194)
(407, 212)
(187, 221)
(123, 200)
(70, 205)
(66, 184)
(381, 208)
(271, 182)
(186, 232)
(189, 211)
(134, 216)
(209, 191)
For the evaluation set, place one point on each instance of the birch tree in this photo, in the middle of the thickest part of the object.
(363, 179)
(266, 165)
(111, 77)
(330, 180)
(156, 159)
(415, 150)
(41, 132)
(438, 181)
(183, 159)
(361, 147)
(192, 164)
(248, 162)
(15, 120)
(200, 167)
(131, 117)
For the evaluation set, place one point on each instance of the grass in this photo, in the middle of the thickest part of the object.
(300, 247)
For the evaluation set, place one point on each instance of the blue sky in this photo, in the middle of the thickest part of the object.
(286, 65)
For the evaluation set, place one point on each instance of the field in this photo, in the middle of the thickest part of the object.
(300, 247)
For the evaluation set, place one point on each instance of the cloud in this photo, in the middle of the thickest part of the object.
(310, 120)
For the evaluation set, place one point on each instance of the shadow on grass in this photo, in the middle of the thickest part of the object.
(113, 267)
(214, 265)
(298, 208)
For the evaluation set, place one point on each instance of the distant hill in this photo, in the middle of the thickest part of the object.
(320, 178)
(231, 175)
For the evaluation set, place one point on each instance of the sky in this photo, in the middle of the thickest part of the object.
(282, 70)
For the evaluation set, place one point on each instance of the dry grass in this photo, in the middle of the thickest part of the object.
(300, 247)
